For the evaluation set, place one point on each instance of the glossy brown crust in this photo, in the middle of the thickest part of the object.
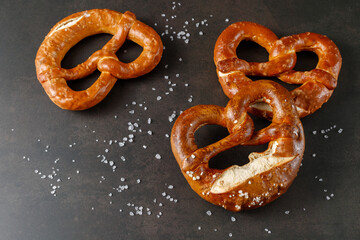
(285, 132)
(72, 29)
(317, 84)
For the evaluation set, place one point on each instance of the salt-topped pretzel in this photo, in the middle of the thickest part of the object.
(268, 174)
(317, 84)
(72, 29)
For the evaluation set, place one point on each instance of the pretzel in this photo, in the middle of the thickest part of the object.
(317, 84)
(268, 174)
(72, 29)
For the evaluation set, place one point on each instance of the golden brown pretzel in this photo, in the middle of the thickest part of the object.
(317, 84)
(268, 174)
(72, 29)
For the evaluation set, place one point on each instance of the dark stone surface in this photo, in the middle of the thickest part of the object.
(35, 132)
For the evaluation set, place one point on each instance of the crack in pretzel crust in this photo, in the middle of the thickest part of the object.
(268, 174)
(317, 85)
(237, 175)
(72, 29)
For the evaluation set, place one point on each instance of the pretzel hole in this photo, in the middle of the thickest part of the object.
(129, 51)
(238, 155)
(209, 134)
(306, 61)
(84, 49)
(84, 83)
(259, 122)
(251, 52)
(234, 156)
(288, 86)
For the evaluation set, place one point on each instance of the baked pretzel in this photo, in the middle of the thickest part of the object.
(72, 29)
(317, 84)
(268, 174)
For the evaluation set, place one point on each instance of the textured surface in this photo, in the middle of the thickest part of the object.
(81, 208)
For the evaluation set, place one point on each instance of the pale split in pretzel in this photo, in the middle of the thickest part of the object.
(268, 174)
(72, 29)
(317, 84)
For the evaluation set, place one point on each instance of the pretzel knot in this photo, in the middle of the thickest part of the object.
(78, 26)
(268, 174)
(317, 84)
